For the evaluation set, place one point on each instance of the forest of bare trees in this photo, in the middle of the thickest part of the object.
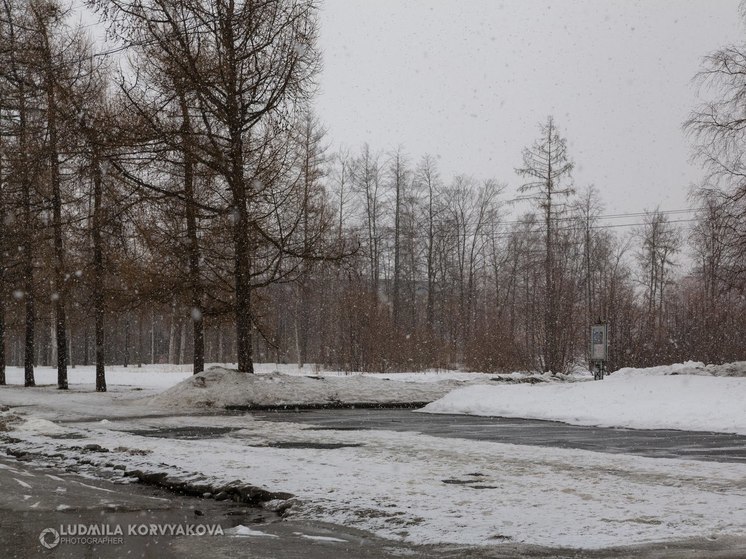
(176, 200)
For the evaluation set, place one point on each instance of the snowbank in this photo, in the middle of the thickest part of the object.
(735, 369)
(40, 426)
(219, 387)
(659, 398)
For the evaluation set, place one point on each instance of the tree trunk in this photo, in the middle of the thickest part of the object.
(182, 343)
(2, 275)
(98, 276)
(152, 336)
(70, 355)
(195, 284)
(28, 280)
(242, 261)
(397, 242)
(140, 347)
(60, 323)
(126, 354)
(550, 320)
(172, 335)
(86, 358)
(2, 322)
(28, 248)
(52, 355)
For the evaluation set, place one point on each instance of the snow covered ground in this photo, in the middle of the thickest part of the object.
(685, 396)
(163, 376)
(405, 485)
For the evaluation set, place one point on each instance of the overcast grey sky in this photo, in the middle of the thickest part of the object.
(470, 80)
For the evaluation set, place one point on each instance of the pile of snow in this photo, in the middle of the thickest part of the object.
(735, 369)
(219, 387)
(10, 421)
(245, 531)
(683, 396)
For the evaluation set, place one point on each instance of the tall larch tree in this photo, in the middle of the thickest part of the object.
(547, 168)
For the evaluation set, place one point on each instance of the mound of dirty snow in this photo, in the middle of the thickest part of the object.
(39, 426)
(219, 387)
(10, 421)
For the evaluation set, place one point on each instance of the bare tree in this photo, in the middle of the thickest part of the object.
(3, 259)
(57, 72)
(588, 207)
(711, 239)
(716, 128)
(547, 166)
(659, 244)
(366, 177)
(312, 162)
(427, 178)
(243, 62)
(341, 187)
(20, 98)
(399, 179)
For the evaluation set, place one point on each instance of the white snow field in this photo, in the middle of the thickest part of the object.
(405, 485)
(685, 396)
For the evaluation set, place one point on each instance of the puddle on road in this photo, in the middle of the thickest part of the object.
(334, 428)
(195, 433)
(184, 432)
(470, 483)
(67, 436)
(305, 445)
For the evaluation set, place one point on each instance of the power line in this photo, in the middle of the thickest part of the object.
(613, 216)
(611, 226)
(507, 234)
(643, 214)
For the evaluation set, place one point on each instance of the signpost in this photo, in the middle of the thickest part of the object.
(599, 350)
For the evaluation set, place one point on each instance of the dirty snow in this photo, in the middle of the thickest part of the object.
(41, 426)
(142, 391)
(274, 384)
(219, 387)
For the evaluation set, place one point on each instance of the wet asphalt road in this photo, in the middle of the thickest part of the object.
(689, 445)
